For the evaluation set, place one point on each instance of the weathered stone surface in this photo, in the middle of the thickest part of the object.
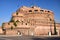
(31, 21)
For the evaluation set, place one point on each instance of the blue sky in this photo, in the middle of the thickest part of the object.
(7, 7)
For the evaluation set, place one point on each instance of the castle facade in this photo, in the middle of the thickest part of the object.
(31, 21)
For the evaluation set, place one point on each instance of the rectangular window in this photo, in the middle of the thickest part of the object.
(41, 10)
(35, 10)
(30, 10)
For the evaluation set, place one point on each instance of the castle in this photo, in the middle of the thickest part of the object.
(31, 21)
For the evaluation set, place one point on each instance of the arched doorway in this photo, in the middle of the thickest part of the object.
(19, 33)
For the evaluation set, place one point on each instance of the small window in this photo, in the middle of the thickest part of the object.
(4, 29)
(42, 10)
(22, 22)
(32, 7)
(26, 23)
(48, 11)
(30, 10)
(35, 10)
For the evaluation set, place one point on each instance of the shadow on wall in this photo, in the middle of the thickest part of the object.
(37, 39)
(29, 38)
(47, 38)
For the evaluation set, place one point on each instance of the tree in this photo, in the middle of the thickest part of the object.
(11, 20)
(15, 24)
(3, 25)
(55, 28)
(11, 27)
(17, 21)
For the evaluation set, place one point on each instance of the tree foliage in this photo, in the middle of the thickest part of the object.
(11, 27)
(11, 20)
(15, 24)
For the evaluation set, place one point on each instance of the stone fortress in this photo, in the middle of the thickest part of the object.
(31, 21)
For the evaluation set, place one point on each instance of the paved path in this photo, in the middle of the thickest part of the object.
(29, 38)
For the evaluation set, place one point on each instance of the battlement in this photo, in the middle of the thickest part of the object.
(33, 9)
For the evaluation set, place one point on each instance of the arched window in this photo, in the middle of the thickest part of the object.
(19, 33)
